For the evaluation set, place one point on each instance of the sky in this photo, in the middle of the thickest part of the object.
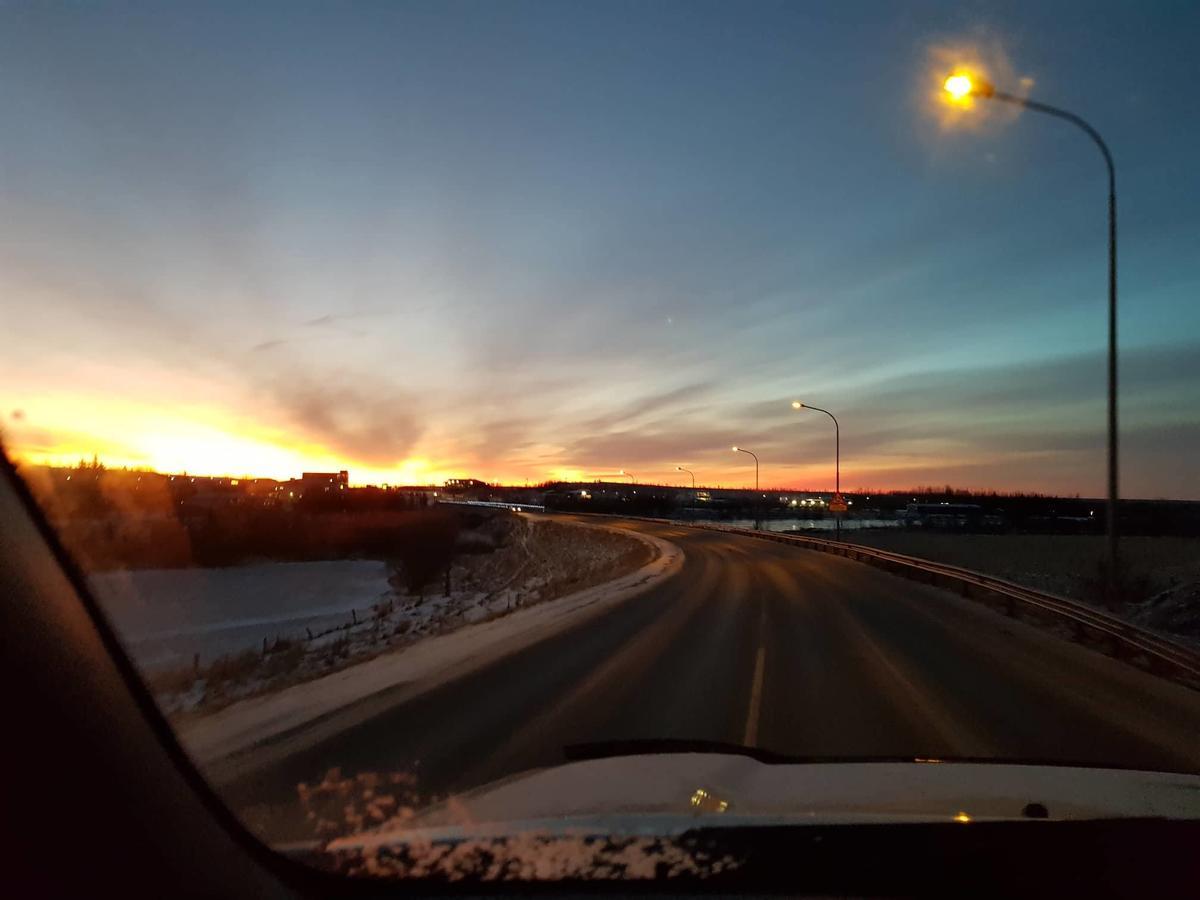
(523, 241)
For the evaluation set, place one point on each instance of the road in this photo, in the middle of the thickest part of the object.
(773, 646)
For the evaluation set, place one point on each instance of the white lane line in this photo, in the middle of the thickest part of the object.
(755, 699)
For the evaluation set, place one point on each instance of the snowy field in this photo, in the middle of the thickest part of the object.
(256, 628)
(167, 615)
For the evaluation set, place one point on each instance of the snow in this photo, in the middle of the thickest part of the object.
(209, 637)
(165, 616)
(423, 665)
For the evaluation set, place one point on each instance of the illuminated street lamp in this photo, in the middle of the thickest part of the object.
(751, 452)
(962, 87)
(959, 87)
(693, 474)
(837, 456)
(837, 444)
(628, 475)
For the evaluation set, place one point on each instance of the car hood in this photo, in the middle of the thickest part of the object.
(671, 793)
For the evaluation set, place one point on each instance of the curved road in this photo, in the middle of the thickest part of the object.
(777, 647)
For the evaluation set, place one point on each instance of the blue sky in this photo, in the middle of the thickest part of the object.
(519, 240)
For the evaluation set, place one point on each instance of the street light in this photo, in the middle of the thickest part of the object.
(837, 456)
(959, 86)
(628, 475)
(751, 452)
(693, 474)
(962, 87)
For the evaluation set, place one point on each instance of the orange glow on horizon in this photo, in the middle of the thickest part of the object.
(124, 433)
(205, 453)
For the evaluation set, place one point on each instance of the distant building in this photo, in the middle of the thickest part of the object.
(260, 487)
(464, 484)
(321, 482)
(941, 515)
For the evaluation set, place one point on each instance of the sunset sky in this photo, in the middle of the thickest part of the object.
(538, 240)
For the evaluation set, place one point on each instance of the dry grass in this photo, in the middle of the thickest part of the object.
(562, 558)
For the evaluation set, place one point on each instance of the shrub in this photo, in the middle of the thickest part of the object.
(235, 668)
(282, 663)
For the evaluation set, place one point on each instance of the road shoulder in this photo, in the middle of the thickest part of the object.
(275, 725)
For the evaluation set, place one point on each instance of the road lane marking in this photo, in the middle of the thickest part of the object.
(619, 671)
(755, 698)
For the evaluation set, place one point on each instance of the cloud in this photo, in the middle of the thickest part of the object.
(1038, 425)
(269, 345)
(1055, 382)
(662, 448)
(368, 422)
(334, 320)
(665, 400)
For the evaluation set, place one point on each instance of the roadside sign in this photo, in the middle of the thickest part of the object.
(837, 504)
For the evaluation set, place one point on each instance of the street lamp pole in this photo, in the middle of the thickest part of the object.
(837, 458)
(757, 519)
(628, 475)
(751, 452)
(693, 474)
(963, 86)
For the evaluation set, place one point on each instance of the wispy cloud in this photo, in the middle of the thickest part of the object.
(622, 415)
(269, 345)
(370, 422)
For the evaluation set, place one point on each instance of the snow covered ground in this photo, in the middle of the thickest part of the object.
(277, 715)
(165, 616)
(259, 628)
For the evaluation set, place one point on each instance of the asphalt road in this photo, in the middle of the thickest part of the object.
(777, 647)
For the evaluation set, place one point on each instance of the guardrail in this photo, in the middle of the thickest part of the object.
(512, 507)
(1119, 638)
(1089, 626)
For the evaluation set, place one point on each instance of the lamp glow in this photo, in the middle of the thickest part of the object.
(959, 86)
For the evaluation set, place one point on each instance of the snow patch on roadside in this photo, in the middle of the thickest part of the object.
(420, 666)
(506, 564)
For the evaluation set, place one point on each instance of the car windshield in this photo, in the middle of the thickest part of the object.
(444, 404)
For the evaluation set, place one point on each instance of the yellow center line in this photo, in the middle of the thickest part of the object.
(760, 660)
(755, 699)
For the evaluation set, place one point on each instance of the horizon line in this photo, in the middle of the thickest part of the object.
(912, 489)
